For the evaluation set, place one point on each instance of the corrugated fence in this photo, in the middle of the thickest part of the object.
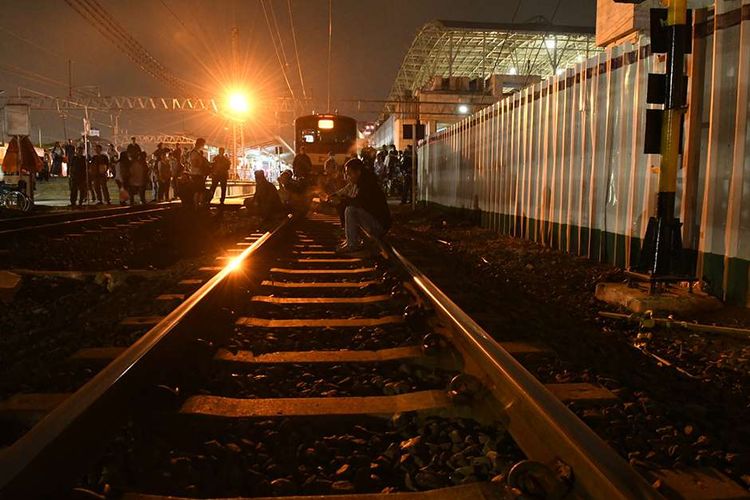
(562, 162)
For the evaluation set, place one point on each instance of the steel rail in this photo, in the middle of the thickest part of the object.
(63, 439)
(543, 427)
(68, 219)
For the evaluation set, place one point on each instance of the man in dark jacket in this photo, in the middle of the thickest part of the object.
(77, 177)
(302, 165)
(99, 167)
(219, 175)
(367, 209)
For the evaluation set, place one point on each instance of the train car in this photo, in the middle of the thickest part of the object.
(324, 133)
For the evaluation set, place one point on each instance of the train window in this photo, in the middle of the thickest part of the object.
(309, 136)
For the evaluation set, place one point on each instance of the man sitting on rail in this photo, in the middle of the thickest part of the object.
(367, 209)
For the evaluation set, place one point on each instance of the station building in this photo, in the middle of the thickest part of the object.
(454, 68)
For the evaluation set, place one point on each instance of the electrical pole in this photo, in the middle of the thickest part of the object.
(70, 78)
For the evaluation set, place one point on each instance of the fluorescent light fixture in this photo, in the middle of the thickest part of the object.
(513, 71)
(550, 43)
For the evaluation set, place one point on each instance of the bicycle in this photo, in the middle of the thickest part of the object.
(12, 199)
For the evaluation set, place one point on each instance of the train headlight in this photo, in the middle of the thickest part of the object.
(325, 124)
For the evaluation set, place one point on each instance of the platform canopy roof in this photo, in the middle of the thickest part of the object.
(458, 48)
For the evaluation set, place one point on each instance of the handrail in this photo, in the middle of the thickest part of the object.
(15, 460)
(543, 427)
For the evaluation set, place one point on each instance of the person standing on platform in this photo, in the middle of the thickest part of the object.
(138, 178)
(198, 169)
(406, 174)
(77, 177)
(99, 168)
(219, 175)
(164, 175)
(70, 152)
(122, 177)
(58, 153)
(134, 150)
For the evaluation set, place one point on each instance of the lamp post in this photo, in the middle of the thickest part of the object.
(238, 108)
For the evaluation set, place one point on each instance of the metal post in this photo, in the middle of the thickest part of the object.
(414, 159)
(70, 78)
(86, 148)
(661, 252)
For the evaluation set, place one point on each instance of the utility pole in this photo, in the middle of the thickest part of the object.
(70, 78)
(235, 75)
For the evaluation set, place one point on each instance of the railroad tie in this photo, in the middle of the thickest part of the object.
(319, 284)
(341, 356)
(368, 299)
(581, 393)
(95, 355)
(318, 323)
(30, 407)
(223, 407)
(360, 270)
(473, 491)
(136, 321)
(171, 296)
(191, 282)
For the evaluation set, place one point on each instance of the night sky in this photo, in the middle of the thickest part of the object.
(192, 39)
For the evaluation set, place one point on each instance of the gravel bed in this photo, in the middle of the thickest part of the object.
(692, 410)
(261, 340)
(300, 311)
(304, 456)
(313, 380)
(52, 317)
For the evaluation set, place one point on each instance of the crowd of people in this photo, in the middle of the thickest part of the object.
(355, 189)
(167, 174)
(358, 189)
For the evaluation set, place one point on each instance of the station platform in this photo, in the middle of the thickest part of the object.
(54, 196)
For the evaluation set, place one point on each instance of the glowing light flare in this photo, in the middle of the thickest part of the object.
(234, 264)
(325, 124)
(238, 104)
(463, 109)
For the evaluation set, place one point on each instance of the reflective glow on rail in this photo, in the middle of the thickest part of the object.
(234, 264)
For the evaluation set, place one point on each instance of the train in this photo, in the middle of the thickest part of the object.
(326, 133)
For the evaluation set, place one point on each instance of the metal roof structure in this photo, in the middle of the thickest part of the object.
(478, 50)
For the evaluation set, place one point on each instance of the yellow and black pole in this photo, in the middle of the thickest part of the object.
(674, 109)
(661, 253)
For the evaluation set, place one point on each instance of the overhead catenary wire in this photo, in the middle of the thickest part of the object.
(108, 27)
(278, 33)
(276, 49)
(296, 51)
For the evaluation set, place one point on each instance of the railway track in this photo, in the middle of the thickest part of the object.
(297, 372)
(75, 222)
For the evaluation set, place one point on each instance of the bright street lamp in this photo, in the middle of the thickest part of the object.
(238, 103)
